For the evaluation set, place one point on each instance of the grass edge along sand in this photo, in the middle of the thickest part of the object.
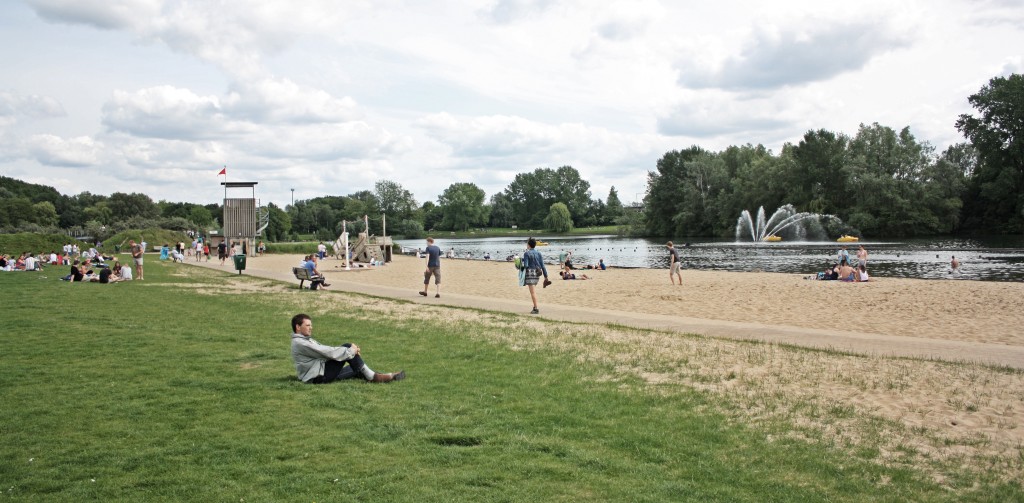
(194, 397)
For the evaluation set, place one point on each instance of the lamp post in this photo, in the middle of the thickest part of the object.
(293, 197)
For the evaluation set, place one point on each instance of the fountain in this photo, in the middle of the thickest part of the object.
(767, 230)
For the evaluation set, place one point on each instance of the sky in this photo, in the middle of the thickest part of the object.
(326, 98)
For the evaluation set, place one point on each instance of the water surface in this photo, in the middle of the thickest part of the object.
(988, 259)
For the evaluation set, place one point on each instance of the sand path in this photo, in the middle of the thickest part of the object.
(948, 320)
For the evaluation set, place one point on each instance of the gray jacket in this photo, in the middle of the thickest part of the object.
(310, 356)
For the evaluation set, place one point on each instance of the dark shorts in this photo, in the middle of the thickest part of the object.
(436, 272)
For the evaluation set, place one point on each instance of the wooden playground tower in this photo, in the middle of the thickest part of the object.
(367, 249)
(243, 219)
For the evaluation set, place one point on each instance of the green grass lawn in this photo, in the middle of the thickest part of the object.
(177, 389)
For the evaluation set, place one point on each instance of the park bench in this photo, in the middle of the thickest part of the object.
(302, 274)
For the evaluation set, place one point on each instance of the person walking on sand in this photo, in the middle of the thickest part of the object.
(533, 267)
(433, 269)
(673, 261)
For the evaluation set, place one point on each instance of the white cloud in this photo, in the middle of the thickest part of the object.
(338, 96)
(284, 101)
(104, 14)
(74, 152)
(14, 107)
(170, 113)
(772, 59)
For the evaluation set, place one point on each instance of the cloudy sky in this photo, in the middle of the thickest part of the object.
(328, 97)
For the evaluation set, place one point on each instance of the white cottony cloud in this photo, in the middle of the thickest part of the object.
(14, 107)
(170, 113)
(330, 97)
(75, 152)
(773, 59)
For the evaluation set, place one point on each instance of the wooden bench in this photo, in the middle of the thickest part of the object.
(302, 274)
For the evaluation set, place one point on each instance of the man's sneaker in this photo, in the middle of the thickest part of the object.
(398, 376)
(535, 311)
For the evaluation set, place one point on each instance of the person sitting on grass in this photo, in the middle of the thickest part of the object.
(77, 275)
(316, 363)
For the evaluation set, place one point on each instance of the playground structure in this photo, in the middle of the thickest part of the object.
(367, 249)
(244, 219)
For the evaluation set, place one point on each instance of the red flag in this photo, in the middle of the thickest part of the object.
(223, 172)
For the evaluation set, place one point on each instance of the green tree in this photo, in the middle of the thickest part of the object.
(559, 219)
(885, 176)
(279, 226)
(681, 195)
(395, 201)
(532, 194)
(612, 207)
(817, 180)
(462, 206)
(501, 210)
(200, 216)
(45, 213)
(125, 206)
(432, 215)
(996, 188)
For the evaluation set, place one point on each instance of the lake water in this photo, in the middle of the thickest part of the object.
(988, 259)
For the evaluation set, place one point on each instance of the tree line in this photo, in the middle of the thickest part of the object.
(879, 182)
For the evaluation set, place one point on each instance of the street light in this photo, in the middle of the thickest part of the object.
(293, 197)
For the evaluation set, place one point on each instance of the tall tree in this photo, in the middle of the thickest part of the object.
(125, 206)
(280, 224)
(395, 201)
(559, 219)
(462, 205)
(817, 179)
(501, 210)
(532, 194)
(612, 207)
(996, 189)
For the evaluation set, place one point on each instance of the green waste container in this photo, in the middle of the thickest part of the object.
(239, 263)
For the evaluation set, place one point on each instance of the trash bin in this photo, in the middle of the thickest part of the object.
(239, 263)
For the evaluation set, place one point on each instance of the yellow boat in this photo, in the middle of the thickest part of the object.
(773, 239)
(542, 243)
(848, 239)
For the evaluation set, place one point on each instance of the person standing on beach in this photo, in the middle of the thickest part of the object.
(673, 261)
(533, 267)
(433, 268)
(862, 257)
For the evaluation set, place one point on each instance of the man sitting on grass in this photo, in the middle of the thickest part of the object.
(316, 363)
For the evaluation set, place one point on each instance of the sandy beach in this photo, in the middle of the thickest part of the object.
(948, 319)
